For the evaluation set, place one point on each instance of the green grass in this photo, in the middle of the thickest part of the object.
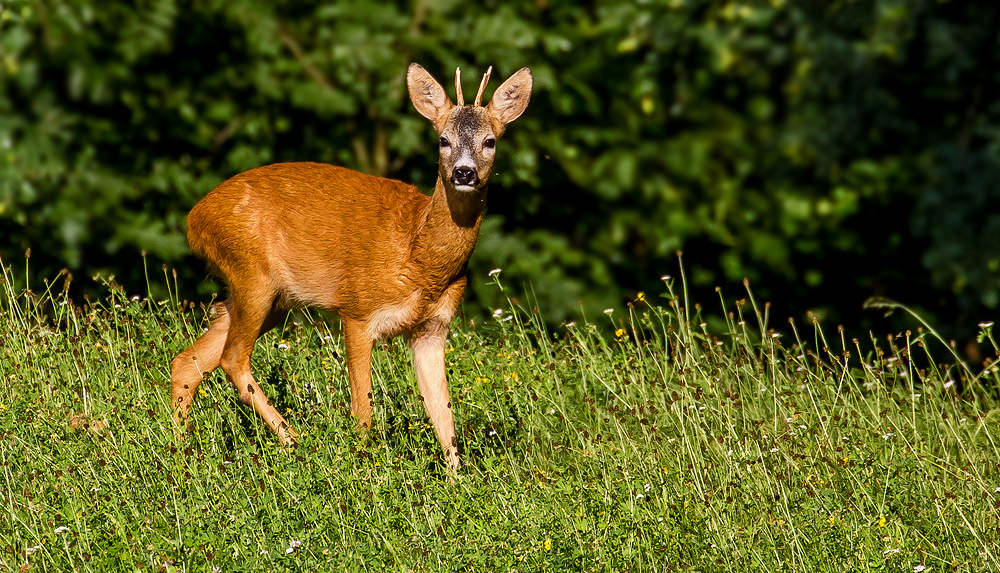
(640, 442)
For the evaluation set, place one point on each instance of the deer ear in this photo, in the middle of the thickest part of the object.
(511, 98)
(426, 94)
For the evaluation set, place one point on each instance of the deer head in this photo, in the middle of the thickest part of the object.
(467, 134)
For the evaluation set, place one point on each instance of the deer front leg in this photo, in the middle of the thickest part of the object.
(428, 360)
(358, 346)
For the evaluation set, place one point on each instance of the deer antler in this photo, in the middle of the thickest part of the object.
(458, 87)
(482, 86)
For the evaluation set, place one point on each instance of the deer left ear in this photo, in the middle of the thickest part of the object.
(511, 98)
(426, 94)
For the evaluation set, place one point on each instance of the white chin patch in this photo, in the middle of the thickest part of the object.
(465, 188)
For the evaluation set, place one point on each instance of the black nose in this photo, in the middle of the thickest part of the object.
(464, 176)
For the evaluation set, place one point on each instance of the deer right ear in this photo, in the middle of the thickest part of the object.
(426, 94)
(511, 98)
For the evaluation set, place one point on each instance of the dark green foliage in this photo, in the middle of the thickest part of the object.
(832, 150)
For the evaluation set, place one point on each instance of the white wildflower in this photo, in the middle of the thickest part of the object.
(60, 529)
(494, 272)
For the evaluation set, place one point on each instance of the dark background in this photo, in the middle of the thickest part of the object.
(828, 151)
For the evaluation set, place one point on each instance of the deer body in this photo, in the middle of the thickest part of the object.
(371, 265)
(389, 259)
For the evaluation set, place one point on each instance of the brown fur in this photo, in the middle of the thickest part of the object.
(389, 259)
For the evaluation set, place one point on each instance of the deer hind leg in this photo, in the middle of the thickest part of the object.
(251, 315)
(358, 348)
(428, 361)
(189, 368)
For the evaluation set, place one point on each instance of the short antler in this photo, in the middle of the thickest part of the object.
(458, 87)
(482, 87)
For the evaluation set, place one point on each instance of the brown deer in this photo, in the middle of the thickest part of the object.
(389, 259)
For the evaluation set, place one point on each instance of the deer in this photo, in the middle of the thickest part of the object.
(390, 260)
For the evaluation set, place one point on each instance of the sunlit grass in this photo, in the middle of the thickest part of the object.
(646, 440)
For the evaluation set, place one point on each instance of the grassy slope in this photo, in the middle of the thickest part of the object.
(656, 447)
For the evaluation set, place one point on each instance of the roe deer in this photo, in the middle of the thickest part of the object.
(389, 259)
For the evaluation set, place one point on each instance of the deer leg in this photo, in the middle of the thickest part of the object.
(428, 361)
(250, 316)
(358, 345)
(188, 369)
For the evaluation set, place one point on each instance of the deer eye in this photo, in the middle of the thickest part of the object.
(444, 142)
(490, 143)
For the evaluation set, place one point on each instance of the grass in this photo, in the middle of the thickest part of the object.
(646, 441)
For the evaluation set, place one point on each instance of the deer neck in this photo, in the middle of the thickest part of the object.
(449, 230)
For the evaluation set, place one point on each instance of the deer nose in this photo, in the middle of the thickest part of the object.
(464, 176)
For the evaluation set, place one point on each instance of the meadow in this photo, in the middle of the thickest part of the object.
(649, 438)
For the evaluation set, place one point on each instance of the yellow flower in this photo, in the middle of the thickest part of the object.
(832, 520)
(641, 297)
(548, 545)
(620, 332)
(202, 392)
(882, 521)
